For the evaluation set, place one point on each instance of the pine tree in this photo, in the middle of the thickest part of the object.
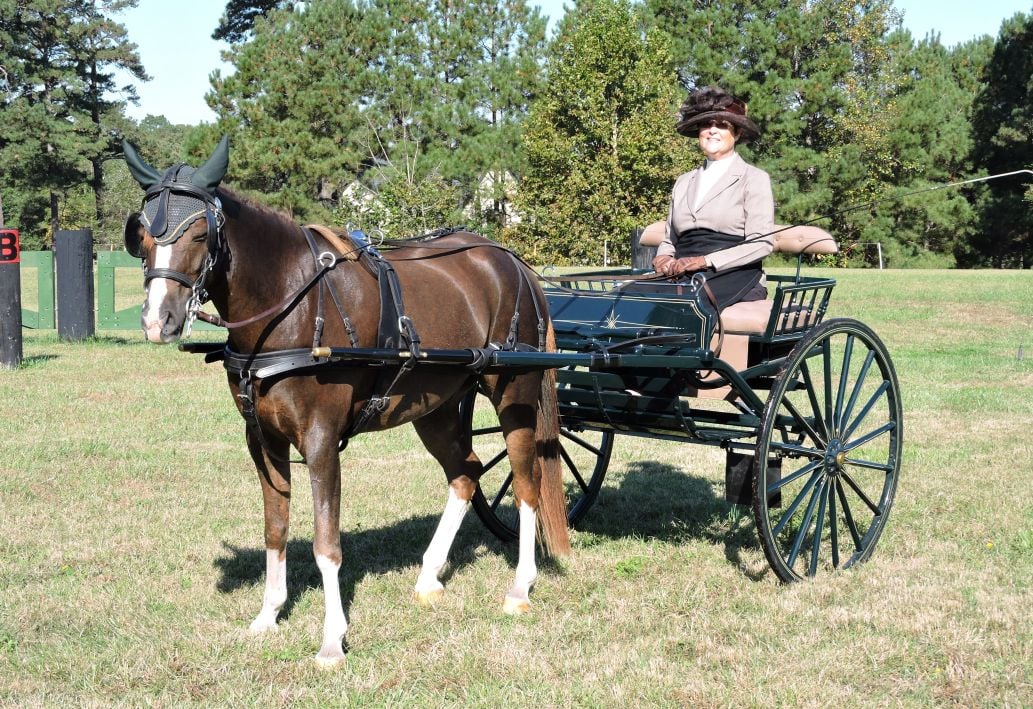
(58, 115)
(930, 133)
(335, 92)
(602, 153)
(238, 20)
(1003, 123)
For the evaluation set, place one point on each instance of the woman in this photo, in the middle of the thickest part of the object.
(722, 213)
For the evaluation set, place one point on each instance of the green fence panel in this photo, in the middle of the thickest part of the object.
(42, 295)
(119, 279)
(110, 317)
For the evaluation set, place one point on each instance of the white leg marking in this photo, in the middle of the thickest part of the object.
(428, 587)
(517, 599)
(275, 592)
(334, 623)
(157, 290)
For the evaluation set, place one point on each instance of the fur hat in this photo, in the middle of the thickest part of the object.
(713, 102)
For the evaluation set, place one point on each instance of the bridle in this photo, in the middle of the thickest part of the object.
(165, 234)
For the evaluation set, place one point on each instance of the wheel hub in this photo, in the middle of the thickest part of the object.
(835, 457)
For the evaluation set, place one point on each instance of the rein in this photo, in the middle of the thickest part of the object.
(326, 260)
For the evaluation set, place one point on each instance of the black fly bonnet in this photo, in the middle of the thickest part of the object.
(173, 202)
(172, 205)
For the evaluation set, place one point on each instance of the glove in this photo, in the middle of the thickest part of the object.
(689, 264)
(663, 264)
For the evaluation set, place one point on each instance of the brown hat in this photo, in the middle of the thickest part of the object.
(714, 102)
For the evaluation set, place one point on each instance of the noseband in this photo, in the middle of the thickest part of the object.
(155, 217)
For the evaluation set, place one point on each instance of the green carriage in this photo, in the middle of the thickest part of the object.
(808, 410)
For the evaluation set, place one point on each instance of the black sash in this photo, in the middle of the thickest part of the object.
(729, 286)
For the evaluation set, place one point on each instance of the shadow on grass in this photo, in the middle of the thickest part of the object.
(369, 551)
(659, 501)
(36, 360)
(653, 501)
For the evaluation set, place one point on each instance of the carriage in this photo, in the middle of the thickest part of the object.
(328, 339)
(807, 410)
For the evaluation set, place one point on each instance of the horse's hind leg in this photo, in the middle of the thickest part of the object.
(516, 401)
(441, 434)
(275, 477)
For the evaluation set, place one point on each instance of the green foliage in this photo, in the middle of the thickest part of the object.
(323, 95)
(331, 98)
(407, 201)
(601, 149)
(853, 115)
(61, 112)
(239, 18)
(1004, 115)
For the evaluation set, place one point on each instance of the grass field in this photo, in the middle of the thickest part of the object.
(131, 554)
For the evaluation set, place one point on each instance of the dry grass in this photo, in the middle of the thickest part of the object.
(131, 561)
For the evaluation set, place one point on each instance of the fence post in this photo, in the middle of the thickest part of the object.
(73, 251)
(641, 256)
(10, 299)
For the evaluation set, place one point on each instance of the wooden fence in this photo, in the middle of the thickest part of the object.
(119, 291)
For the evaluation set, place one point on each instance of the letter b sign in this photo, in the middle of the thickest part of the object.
(9, 252)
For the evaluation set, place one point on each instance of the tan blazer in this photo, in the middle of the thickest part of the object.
(739, 203)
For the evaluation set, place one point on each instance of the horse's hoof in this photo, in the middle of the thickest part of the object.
(516, 606)
(328, 658)
(260, 626)
(428, 598)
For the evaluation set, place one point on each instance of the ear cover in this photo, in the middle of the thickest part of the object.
(208, 176)
(140, 170)
(132, 234)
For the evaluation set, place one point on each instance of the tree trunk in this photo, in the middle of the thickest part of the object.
(53, 215)
(98, 189)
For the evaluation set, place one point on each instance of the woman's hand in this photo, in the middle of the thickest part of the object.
(663, 264)
(690, 264)
(670, 266)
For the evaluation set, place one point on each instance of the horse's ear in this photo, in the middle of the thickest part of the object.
(209, 175)
(141, 171)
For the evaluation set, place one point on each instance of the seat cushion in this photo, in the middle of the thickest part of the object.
(747, 317)
(804, 239)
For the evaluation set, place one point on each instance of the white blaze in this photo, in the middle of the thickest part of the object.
(157, 291)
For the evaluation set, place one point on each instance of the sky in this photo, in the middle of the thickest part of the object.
(179, 54)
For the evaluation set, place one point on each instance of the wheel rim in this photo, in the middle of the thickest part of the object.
(585, 456)
(834, 423)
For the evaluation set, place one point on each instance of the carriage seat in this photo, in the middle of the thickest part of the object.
(751, 317)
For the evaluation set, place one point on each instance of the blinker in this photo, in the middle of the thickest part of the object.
(131, 236)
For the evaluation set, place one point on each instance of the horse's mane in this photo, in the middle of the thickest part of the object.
(234, 200)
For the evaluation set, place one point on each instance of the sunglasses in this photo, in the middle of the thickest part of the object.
(716, 123)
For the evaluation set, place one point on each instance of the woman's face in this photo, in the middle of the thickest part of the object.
(717, 139)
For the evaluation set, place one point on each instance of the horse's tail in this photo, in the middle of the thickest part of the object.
(553, 501)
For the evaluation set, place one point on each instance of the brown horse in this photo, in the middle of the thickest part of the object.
(281, 288)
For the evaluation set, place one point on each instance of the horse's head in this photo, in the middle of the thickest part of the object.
(178, 234)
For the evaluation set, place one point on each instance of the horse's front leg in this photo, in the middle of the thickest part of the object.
(325, 474)
(274, 474)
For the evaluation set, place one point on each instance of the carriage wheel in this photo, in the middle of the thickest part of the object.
(585, 456)
(834, 423)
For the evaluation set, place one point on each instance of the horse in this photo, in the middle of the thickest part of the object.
(281, 289)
